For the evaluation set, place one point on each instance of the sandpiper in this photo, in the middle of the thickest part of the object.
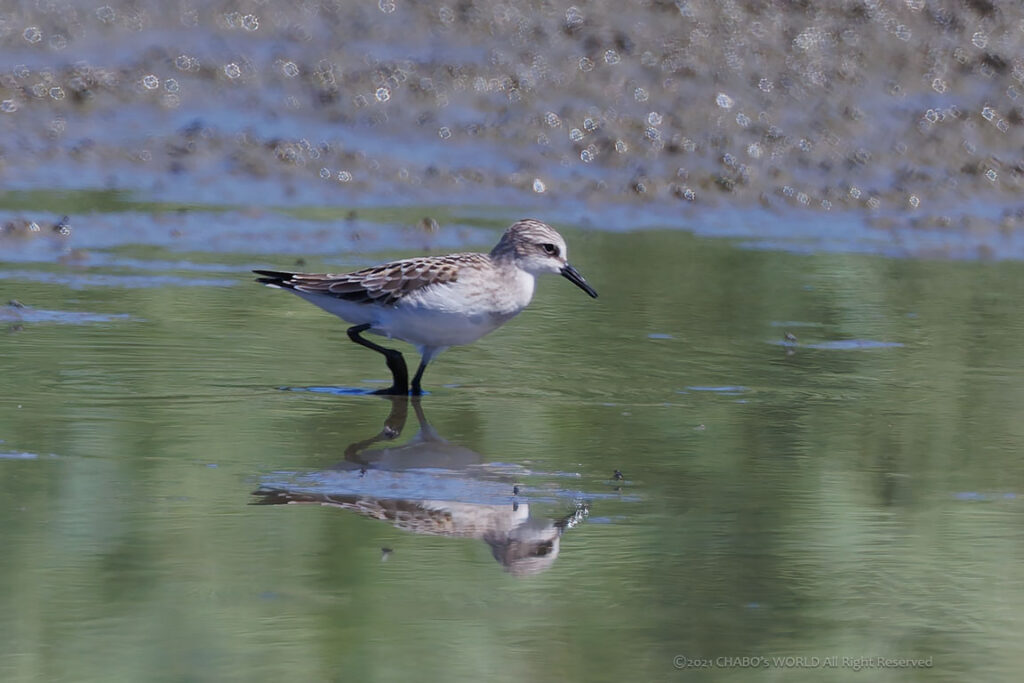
(434, 302)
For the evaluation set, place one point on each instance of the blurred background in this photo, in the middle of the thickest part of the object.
(905, 113)
(804, 221)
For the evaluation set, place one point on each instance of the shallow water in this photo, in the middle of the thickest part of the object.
(819, 458)
(772, 442)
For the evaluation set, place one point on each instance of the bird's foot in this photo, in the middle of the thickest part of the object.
(392, 391)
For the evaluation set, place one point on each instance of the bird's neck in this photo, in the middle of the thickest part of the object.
(504, 251)
(524, 284)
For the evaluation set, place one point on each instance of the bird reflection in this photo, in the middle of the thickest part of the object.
(422, 486)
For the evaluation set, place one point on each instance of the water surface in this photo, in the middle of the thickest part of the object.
(819, 458)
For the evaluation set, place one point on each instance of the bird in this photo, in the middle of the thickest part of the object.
(436, 302)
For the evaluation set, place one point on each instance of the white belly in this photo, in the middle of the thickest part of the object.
(429, 328)
(436, 317)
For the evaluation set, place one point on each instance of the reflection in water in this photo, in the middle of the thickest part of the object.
(431, 486)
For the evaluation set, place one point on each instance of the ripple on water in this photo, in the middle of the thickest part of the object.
(335, 391)
(77, 280)
(425, 484)
(726, 390)
(479, 485)
(794, 323)
(26, 314)
(21, 455)
(840, 344)
(984, 497)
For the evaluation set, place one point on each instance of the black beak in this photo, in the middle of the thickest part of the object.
(573, 276)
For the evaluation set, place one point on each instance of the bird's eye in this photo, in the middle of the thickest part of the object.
(549, 249)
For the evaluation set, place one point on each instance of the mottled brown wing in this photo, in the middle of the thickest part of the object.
(385, 284)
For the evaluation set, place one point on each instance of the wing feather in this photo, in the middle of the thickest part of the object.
(384, 284)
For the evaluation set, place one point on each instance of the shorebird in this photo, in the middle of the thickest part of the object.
(434, 302)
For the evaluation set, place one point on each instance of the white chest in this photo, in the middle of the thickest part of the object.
(463, 311)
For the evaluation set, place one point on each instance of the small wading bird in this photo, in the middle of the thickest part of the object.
(434, 302)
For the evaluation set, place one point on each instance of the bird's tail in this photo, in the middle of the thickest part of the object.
(275, 278)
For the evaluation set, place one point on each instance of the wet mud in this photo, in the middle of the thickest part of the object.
(899, 118)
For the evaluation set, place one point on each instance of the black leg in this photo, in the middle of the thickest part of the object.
(396, 363)
(417, 390)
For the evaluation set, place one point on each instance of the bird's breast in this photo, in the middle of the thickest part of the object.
(481, 295)
(459, 312)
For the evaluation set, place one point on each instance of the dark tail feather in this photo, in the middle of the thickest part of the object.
(267, 496)
(274, 277)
